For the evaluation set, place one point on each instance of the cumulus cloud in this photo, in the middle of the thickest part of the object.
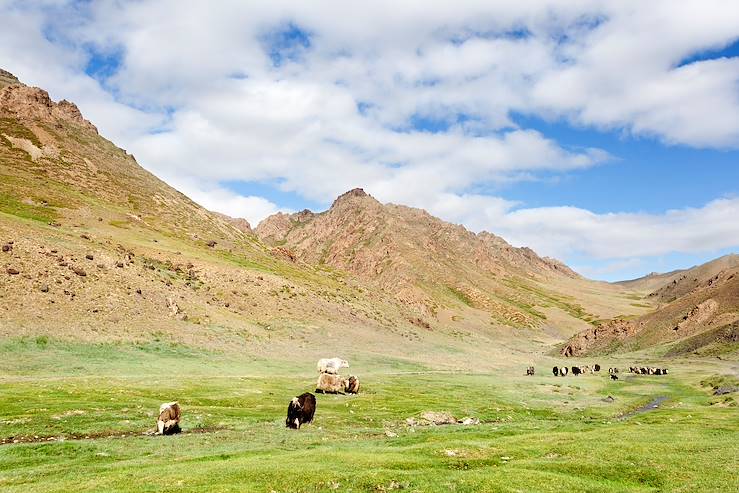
(559, 231)
(219, 199)
(417, 107)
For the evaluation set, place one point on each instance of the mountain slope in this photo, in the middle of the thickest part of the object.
(701, 312)
(95, 248)
(670, 286)
(98, 248)
(429, 264)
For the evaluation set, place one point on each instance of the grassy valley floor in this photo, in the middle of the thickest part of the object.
(80, 414)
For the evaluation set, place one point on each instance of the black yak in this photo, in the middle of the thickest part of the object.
(555, 371)
(576, 370)
(300, 410)
(614, 376)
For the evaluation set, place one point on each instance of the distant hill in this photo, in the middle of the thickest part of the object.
(698, 312)
(671, 285)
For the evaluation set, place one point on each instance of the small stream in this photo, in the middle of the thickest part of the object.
(650, 406)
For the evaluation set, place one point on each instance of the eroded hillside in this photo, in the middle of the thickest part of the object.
(699, 315)
(97, 248)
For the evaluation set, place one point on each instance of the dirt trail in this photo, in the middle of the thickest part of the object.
(651, 406)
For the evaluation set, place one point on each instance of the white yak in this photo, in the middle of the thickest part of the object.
(331, 365)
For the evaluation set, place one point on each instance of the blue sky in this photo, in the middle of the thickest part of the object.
(645, 175)
(606, 135)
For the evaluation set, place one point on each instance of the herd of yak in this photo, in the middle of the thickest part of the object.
(562, 371)
(302, 408)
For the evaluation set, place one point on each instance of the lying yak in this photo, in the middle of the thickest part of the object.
(168, 422)
(563, 371)
(555, 371)
(351, 385)
(614, 376)
(329, 383)
(300, 410)
(331, 365)
(530, 370)
(596, 367)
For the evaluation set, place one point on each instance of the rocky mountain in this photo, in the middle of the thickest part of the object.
(94, 247)
(699, 313)
(423, 261)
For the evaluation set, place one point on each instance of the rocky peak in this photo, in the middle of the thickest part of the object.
(303, 216)
(352, 195)
(32, 103)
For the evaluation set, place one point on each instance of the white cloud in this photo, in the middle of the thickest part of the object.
(218, 199)
(197, 97)
(561, 231)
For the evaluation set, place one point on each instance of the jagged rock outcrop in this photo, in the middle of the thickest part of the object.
(275, 228)
(237, 222)
(6, 78)
(32, 103)
(599, 337)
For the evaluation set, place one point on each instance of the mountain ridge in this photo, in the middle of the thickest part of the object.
(99, 249)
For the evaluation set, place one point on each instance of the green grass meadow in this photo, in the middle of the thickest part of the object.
(540, 433)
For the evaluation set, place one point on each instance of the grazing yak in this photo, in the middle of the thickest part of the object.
(555, 371)
(300, 410)
(328, 383)
(596, 367)
(563, 371)
(530, 370)
(351, 384)
(168, 422)
(331, 365)
(576, 370)
(648, 370)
